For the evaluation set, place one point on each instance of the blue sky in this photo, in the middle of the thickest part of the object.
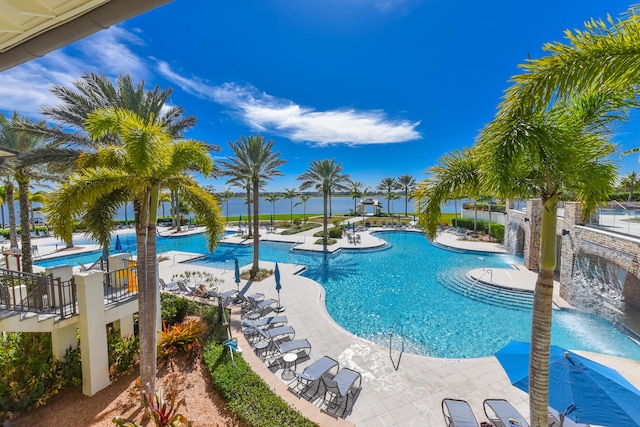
(383, 86)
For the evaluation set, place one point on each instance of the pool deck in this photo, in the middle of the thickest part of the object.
(397, 389)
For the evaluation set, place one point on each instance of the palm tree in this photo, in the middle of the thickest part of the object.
(255, 161)
(391, 197)
(23, 169)
(406, 183)
(630, 182)
(272, 198)
(324, 175)
(564, 150)
(304, 198)
(165, 197)
(290, 193)
(3, 201)
(148, 160)
(355, 187)
(39, 196)
(226, 195)
(387, 185)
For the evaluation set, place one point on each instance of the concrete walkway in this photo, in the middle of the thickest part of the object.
(410, 395)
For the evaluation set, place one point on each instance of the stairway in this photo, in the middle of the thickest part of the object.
(458, 280)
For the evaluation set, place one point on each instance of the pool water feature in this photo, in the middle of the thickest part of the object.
(370, 291)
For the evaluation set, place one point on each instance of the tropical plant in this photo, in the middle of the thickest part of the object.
(630, 182)
(304, 198)
(290, 194)
(226, 195)
(148, 160)
(324, 175)
(256, 163)
(388, 185)
(355, 187)
(272, 198)
(164, 198)
(24, 169)
(407, 184)
(163, 413)
(564, 150)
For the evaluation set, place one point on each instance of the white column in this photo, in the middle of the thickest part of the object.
(93, 332)
(125, 326)
(62, 339)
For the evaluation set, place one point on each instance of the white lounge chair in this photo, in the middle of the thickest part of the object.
(458, 413)
(501, 413)
(169, 287)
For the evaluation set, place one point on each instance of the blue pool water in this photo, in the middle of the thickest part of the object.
(369, 291)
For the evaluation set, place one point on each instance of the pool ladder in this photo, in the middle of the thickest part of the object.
(395, 365)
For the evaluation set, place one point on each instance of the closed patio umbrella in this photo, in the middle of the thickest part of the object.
(237, 273)
(276, 273)
(118, 245)
(579, 388)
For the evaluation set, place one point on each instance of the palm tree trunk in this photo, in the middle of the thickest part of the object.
(145, 242)
(256, 229)
(11, 207)
(25, 236)
(324, 222)
(406, 203)
(249, 201)
(330, 204)
(541, 316)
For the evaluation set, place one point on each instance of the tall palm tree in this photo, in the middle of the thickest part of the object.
(165, 197)
(24, 169)
(226, 195)
(255, 161)
(147, 161)
(304, 198)
(407, 184)
(39, 196)
(3, 201)
(324, 175)
(388, 185)
(564, 150)
(355, 187)
(272, 198)
(290, 193)
(630, 182)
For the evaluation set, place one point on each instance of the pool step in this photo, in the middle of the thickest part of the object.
(457, 280)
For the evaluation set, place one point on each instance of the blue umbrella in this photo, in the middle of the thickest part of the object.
(118, 246)
(237, 267)
(579, 388)
(276, 273)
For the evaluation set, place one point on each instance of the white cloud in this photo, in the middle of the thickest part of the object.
(27, 88)
(263, 112)
(404, 6)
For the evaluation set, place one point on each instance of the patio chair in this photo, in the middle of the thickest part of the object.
(274, 336)
(502, 414)
(458, 413)
(339, 388)
(186, 289)
(267, 321)
(169, 287)
(260, 307)
(293, 346)
(312, 375)
(555, 420)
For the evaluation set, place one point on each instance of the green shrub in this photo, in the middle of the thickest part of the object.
(29, 375)
(247, 395)
(497, 230)
(174, 308)
(335, 232)
(124, 353)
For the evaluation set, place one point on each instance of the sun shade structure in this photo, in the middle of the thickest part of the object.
(32, 28)
(579, 388)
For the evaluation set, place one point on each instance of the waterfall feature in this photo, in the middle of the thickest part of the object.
(514, 236)
(599, 274)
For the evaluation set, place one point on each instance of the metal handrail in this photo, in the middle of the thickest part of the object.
(395, 365)
(487, 270)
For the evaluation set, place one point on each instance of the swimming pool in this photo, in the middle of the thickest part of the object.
(368, 291)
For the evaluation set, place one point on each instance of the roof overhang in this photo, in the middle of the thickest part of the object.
(32, 28)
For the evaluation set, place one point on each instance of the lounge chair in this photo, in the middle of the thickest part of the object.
(260, 307)
(294, 346)
(184, 288)
(554, 420)
(264, 322)
(458, 413)
(339, 388)
(276, 334)
(312, 375)
(502, 414)
(169, 287)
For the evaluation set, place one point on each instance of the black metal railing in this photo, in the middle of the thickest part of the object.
(120, 285)
(26, 292)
